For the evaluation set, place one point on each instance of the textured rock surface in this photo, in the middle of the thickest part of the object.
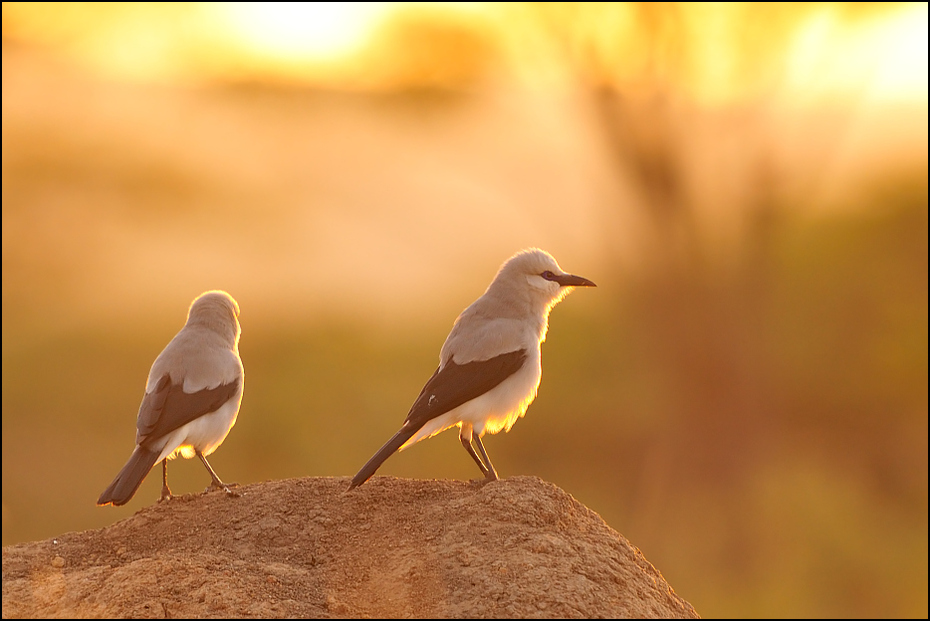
(302, 548)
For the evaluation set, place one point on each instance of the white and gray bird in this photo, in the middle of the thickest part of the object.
(490, 365)
(191, 398)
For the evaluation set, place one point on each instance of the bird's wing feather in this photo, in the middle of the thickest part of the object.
(475, 336)
(454, 384)
(168, 407)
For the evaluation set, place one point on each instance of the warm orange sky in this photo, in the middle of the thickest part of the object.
(717, 52)
(825, 99)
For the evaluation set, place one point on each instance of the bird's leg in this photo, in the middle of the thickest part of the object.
(466, 442)
(217, 483)
(165, 492)
(491, 473)
(466, 433)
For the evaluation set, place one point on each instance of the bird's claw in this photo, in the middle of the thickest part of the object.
(165, 494)
(226, 488)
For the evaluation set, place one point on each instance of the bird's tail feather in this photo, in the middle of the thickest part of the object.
(389, 448)
(124, 486)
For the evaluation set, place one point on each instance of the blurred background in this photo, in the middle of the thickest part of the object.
(744, 396)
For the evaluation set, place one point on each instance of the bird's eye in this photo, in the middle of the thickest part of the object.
(548, 275)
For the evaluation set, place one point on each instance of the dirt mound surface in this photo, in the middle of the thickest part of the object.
(302, 548)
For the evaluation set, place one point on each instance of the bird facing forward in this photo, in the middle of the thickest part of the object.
(191, 398)
(490, 365)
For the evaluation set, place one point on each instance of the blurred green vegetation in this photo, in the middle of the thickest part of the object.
(769, 424)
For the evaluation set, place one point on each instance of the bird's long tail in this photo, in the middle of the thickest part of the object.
(124, 486)
(405, 433)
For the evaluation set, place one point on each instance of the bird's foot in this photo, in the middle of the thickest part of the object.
(482, 482)
(165, 494)
(225, 487)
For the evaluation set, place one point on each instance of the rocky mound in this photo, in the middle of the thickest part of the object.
(302, 548)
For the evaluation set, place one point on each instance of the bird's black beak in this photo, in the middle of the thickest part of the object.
(570, 280)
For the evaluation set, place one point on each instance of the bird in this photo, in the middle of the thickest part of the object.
(192, 397)
(490, 364)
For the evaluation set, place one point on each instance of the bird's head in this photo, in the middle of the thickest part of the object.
(537, 273)
(216, 310)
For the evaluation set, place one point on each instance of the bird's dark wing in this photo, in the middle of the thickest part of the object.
(448, 388)
(168, 407)
(455, 384)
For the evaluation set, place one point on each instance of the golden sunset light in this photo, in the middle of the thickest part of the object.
(829, 53)
(883, 58)
(291, 32)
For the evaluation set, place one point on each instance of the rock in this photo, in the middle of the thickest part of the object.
(519, 547)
